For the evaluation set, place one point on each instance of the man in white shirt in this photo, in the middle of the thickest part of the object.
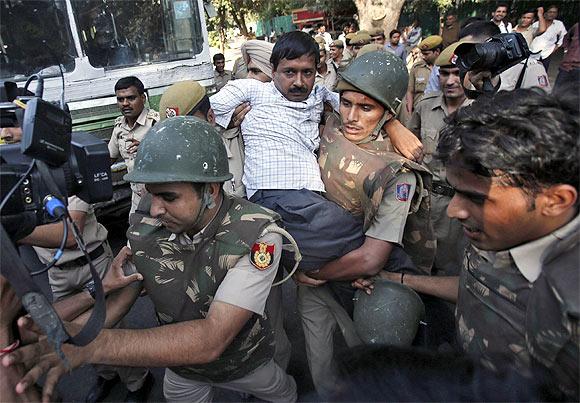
(551, 34)
(498, 18)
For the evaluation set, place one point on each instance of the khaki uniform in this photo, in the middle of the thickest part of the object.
(221, 79)
(426, 122)
(234, 143)
(327, 80)
(119, 143)
(522, 304)
(385, 219)
(72, 273)
(418, 79)
(184, 276)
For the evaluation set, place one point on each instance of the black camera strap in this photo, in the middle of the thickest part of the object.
(522, 74)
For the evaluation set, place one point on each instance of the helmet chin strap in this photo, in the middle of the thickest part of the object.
(207, 202)
(387, 115)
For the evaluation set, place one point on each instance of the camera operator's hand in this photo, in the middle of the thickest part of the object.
(9, 303)
(476, 79)
(116, 277)
(39, 359)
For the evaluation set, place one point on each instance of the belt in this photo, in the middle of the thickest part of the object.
(442, 189)
(81, 261)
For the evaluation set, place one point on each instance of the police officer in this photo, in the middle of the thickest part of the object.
(419, 75)
(130, 128)
(358, 41)
(362, 174)
(427, 120)
(208, 262)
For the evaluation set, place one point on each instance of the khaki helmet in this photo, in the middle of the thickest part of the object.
(380, 75)
(181, 149)
(389, 316)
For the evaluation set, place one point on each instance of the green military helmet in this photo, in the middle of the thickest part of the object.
(380, 75)
(181, 149)
(389, 316)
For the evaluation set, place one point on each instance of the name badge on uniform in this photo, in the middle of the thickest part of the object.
(402, 192)
(262, 255)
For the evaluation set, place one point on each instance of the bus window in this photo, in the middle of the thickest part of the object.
(131, 32)
(35, 37)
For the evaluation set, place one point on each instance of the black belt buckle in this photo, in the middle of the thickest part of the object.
(441, 189)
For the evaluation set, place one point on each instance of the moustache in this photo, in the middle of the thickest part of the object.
(298, 90)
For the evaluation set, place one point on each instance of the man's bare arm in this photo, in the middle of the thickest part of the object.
(50, 235)
(365, 261)
(442, 287)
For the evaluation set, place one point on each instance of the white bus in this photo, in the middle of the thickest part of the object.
(85, 46)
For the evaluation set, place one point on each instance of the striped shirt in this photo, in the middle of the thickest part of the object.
(280, 136)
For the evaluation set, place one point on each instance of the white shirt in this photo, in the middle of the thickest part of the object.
(280, 136)
(546, 43)
(503, 28)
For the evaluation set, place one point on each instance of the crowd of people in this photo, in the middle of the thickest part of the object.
(334, 162)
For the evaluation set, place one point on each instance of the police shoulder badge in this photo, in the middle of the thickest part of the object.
(262, 255)
(402, 192)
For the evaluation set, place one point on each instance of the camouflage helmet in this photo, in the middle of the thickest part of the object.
(181, 149)
(389, 316)
(380, 75)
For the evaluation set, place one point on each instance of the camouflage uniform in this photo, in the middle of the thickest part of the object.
(119, 143)
(357, 177)
(523, 304)
(426, 122)
(182, 281)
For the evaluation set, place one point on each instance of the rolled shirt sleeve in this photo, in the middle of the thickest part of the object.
(229, 97)
(245, 285)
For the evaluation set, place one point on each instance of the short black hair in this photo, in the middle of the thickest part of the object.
(480, 30)
(502, 5)
(527, 136)
(130, 81)
(293, 45)
(393, 32)
(530, 11)
(218, 56)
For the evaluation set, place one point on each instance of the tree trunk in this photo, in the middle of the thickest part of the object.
(239, 18)
(379, 13)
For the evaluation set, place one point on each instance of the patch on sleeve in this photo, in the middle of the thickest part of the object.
(543, 81)
(171, 112)
(402, 193)
(262, 255)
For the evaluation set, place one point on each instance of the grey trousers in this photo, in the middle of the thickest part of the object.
(269, 382)
(320, 314)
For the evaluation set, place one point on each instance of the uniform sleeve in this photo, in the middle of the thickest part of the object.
(245, 285)
(114, 146)
(389, 222)
(411, 85)
(77, 204)
(414, 123)
(228, 98)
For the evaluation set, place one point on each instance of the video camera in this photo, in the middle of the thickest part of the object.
(50, 164)
(496, 55)
(49, 161)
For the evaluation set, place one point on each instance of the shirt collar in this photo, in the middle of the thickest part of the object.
(530, 256)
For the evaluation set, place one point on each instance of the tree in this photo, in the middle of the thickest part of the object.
(379, 13)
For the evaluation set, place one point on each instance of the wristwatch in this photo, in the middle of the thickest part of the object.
(90, 288)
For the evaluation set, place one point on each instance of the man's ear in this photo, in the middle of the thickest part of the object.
(558, 200)
(210, 117)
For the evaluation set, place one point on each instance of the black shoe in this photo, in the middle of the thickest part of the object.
(101, 389)
(141, 394)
